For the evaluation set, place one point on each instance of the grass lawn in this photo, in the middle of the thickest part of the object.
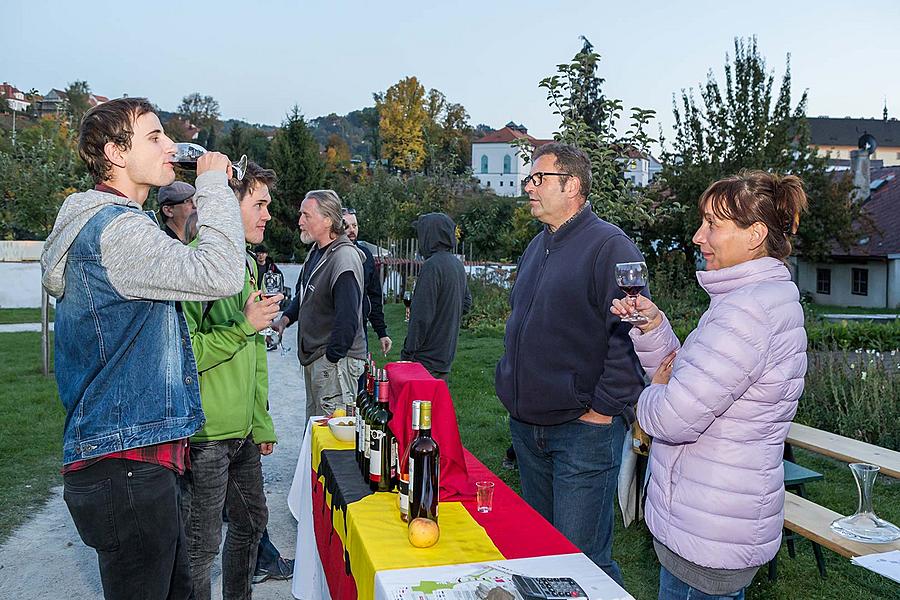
(31, 418)
(824, 309)
(22, 315)
(484, 430)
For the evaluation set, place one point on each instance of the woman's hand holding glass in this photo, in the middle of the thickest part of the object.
(643, 306)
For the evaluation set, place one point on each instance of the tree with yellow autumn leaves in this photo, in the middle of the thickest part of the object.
(402, 119)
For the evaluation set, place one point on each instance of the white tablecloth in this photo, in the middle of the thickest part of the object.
(597, 584)
(309, 578)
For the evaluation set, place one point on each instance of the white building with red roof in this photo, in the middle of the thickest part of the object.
(15, 99)
(496, 162)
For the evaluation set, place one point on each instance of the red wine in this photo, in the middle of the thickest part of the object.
(631, 290)
(367, 427)
(188, 165)
(403, 465)
(382, 454)
(362, 406)
(424, 469)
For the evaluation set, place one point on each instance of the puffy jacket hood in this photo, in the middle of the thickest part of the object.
(437, 233)
(75, 212)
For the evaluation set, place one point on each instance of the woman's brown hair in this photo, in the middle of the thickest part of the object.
(759, 197)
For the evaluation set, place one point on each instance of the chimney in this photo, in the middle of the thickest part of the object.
(859, 167)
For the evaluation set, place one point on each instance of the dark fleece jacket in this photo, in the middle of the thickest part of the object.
(441, 296)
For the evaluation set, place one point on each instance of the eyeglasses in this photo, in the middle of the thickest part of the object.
(348, 211)
(538, 178)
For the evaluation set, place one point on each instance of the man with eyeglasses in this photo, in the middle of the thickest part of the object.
(373, 301)
(569, 375)
(177, 211)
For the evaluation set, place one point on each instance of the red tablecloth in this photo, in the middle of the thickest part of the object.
(516, 529)
(410, 381)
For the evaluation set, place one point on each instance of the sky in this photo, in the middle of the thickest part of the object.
(260, 58)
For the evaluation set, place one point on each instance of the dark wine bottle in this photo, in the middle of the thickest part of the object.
(381, 466)
(424, 469)
(373, 407)
(367, 421)
(403, 466)
(362, 405)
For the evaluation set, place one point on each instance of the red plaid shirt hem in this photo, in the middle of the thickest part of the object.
(172, 455)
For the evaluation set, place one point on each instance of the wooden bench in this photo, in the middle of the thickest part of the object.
(813, 522)
(843, 448)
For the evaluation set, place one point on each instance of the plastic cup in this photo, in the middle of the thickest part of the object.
(484, 493)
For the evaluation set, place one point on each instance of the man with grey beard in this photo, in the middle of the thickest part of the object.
(328, 306)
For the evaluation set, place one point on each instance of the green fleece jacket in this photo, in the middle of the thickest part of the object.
(231, 360)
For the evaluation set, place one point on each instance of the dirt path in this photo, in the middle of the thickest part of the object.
(45, 558)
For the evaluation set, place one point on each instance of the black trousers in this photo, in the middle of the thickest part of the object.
(129, 512)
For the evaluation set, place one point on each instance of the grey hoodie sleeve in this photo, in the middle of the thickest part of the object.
(142, 261)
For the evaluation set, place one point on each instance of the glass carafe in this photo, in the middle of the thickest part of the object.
(864, 525)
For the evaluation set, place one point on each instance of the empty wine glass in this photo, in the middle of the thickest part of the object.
(186, 155)
(272, 283)
(631, 277)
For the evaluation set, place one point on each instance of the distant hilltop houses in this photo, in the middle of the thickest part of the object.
(499, 166)
(51, 103)
(54, 102)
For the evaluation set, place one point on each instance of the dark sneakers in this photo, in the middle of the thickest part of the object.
(281, 570)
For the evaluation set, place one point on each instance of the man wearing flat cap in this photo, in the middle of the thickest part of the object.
(177, 211)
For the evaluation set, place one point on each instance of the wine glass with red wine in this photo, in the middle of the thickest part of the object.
(631, 278)
(407, 302)
(186, 155)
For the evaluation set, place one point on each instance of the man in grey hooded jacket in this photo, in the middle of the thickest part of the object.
(440, 300)
(124, 366)
(327, 306)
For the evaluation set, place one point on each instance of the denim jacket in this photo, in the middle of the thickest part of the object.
(116, 356)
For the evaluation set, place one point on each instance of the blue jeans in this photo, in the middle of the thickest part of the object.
(267, 555)
(672, 588)
(569, 474)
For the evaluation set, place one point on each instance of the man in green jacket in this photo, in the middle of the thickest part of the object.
(225, 470)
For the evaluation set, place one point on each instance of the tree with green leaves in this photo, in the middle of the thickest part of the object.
(447, 135)
(78, 100)
(369, 120)
(36, 175)
(240, 140)
(747, 126)
(590, 121)
(587, 92)
(294, 155)
(202, 112)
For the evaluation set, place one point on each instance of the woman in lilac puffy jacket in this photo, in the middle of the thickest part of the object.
(720, 406)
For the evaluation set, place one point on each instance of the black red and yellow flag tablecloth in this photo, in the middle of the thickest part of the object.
(359, 533)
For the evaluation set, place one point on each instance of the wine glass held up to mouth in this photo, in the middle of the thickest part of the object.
(186, 155)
